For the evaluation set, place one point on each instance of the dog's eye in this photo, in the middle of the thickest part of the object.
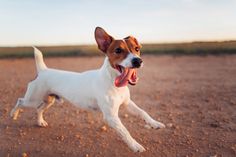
(137, 49)
(118, 50)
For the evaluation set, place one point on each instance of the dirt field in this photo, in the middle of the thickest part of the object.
(194, 96)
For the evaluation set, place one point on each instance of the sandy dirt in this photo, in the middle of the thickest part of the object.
(194, 96)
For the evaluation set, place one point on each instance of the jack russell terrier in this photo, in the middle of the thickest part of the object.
(104, 89)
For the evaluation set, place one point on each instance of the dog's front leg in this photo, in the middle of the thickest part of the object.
(113, 121)
(135, 110)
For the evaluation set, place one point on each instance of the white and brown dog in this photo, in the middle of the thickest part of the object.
(104, 89)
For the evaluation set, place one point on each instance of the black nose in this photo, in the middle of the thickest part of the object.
(136, 62)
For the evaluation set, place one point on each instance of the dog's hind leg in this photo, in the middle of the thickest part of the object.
(48, 102)
(15, 111)
(32, 98)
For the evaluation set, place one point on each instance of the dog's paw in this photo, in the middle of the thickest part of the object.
(14, 114)
(42, 123)
(136, 147)
(156, 125)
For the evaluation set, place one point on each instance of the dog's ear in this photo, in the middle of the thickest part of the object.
(133, 39)
(136, 41)
(103, 39)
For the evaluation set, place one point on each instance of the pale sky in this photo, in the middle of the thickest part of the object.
(55, 22)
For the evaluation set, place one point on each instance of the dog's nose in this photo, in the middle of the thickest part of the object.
(136, 62)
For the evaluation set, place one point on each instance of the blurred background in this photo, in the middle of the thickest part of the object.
(192, 89)
(155, 23)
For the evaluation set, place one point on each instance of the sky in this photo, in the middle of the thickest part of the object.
(70, 22)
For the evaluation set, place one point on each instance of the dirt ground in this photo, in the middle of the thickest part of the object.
(194, 96)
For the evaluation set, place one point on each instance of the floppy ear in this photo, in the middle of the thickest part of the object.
(103, 39)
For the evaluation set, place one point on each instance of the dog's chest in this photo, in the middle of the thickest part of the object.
(119, 97)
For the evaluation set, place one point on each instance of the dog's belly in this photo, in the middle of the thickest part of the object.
(88, 104)
(81, 99)
(77, 88)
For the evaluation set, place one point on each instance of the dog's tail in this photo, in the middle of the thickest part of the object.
(40, 65)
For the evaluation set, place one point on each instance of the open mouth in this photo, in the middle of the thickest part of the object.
(127, 75)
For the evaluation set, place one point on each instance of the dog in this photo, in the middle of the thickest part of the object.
(104, 89)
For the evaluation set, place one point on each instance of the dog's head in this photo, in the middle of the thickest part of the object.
(124, 56)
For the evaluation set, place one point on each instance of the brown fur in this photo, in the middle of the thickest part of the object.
(108, 45)
(115, 58)
(132, 43)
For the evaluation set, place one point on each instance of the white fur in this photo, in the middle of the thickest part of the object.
(127, 62)
(92, 89)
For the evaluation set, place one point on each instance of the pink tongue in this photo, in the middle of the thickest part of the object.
(124, 78)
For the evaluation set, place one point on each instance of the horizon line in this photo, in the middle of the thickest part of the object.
(143, 43)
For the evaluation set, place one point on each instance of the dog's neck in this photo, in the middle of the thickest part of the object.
(108, 72)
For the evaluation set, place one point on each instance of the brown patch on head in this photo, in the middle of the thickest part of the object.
(119, 49)
(133, 45)
(116, 50)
